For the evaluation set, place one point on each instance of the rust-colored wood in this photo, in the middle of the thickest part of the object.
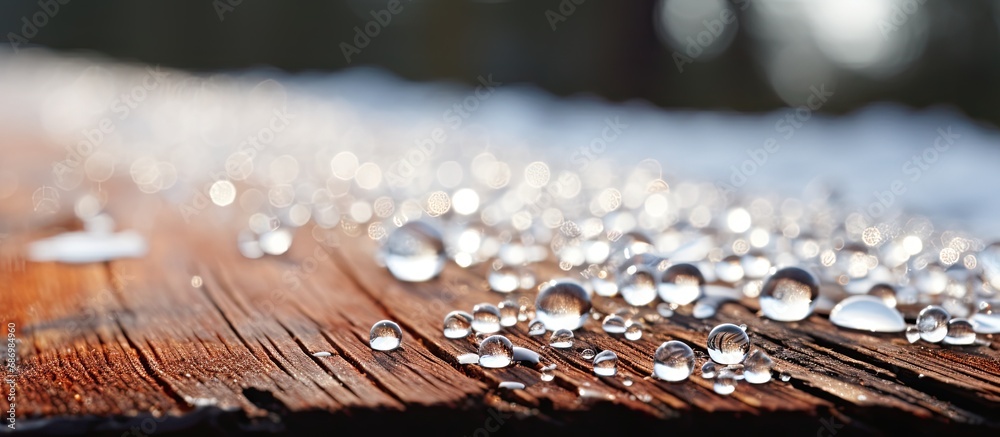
(105, 347)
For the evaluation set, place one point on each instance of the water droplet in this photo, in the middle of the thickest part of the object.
(587, 354)
(757, 367)
(385, 336)
(725, 382)
(785, 376)
(561, 338)
(664, 310)
(729, 269)
(627, 382)
(789, 295)
(681, 284)
(275, 242)
(884, 292)
(638, 279)
(912, 333)
(526, 355)
(322, 354)
(495, 352)
(536, 327)
(728, 344)
(707, 307)
(743, 326)
(614, 324)
(633, 332)
(755, 265)
(960, 332)
(932, 322)
(414, 252)
(673, 361)
(867, 313)
(708, 370)
(606, 363)
(457, 324)
(548, 372)
(986, 320)
(485, 318)
(511, 385)
(504, 278)
(563, 305)
(508, 312)
(468, 358)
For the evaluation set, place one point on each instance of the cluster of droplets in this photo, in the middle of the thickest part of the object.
(731, 359)
(935, 325)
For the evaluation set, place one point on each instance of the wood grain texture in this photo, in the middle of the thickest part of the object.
(132, 346)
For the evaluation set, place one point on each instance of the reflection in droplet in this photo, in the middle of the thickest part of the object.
(563, 305)
(789, 295)
(673, 361)
(385, 335)
(486, 318)
(728, 344)
(496, 351)
(414, 252)
(606, 363)
(457, 324)
(867, 313)
(932, 322)
(960, 332)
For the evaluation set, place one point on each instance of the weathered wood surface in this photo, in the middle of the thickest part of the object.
(131, 346)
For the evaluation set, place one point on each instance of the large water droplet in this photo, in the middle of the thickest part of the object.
(508, 312)
(757, 367)
(526, 355)
(681, 284)
(960, 332)
(561, 338)
(495, 352)
(725, 382)
(728, 344)
(606, 363)
(614, 324)
(867, 313)
(986, 320)
(486, 318)
(673, 361)
(563, 305)
(457, 324)
(385, 336)
(504, 278)
(884, 292)
(414, 252)
(932, 322)
(789, 295)
(633, 332)
(639, 278)
(536, 327)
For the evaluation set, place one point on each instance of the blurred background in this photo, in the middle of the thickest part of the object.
(739, 55)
